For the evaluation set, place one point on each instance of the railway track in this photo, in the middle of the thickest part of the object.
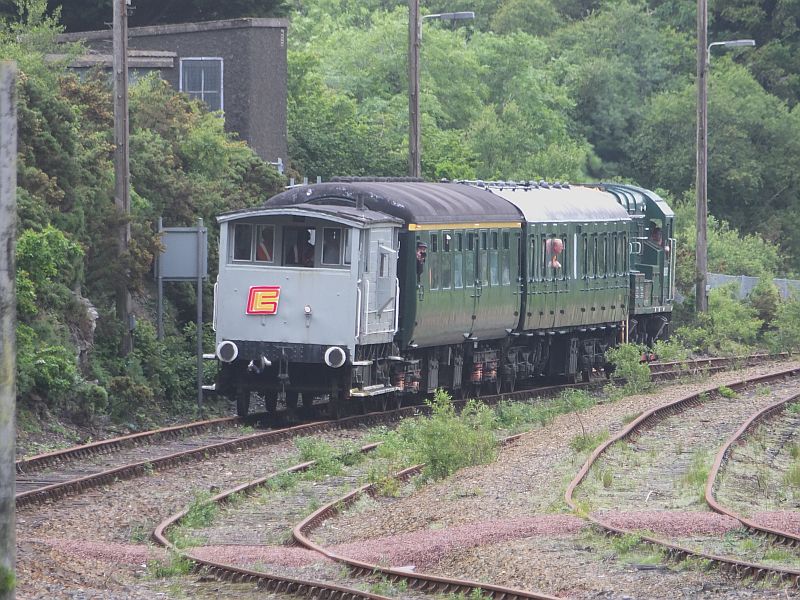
(648, 421)
(63, 473)
(724, 456)
(286, 586)
(415, 584)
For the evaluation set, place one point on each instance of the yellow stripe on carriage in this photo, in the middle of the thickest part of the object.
(438, 226)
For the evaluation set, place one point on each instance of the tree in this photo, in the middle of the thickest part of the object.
(609, 74)
(88, 15)
(752, 185)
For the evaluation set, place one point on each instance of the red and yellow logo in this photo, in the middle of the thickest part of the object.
(263, 300)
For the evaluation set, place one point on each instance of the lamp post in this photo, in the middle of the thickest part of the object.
(703, 59)
(414, 41)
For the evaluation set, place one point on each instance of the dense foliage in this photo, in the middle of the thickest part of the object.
(86, 15)
(531, 89)
(558, 89)
(183, 166)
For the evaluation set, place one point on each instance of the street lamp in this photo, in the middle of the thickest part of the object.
(414, 40)
(703, 60)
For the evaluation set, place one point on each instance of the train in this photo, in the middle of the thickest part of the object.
(360, 292)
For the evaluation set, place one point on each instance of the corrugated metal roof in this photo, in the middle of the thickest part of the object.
(565, 204)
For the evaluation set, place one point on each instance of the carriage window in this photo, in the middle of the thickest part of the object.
(458, 269)
(459, 242)
(446, 241)
(484, 239)
(603, 256)
(533, 263)
(445, 261)
(346, 246)
(493, 268)
(494, 240)
(625, 255)
(469, 261)
(383, 270)
(243, 242)
(585, 256)
(434, 242)
(331, 246)
(483, 263)
(554, 255)
(615, 254)
(506, 240)
(594, 256)
(363, 250)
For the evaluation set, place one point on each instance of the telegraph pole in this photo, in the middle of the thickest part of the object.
(122, 197)
(8, 306)
(414, 40)
(701, 254)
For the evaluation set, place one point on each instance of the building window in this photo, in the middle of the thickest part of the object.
(201, 79)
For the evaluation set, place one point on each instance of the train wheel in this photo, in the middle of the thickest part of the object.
(308, 405)
(271, 403)
(242, 402)
(291, 403)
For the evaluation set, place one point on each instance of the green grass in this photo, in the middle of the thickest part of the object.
(201, 513)
(780, 555)
(586, 442)
(697, 474)
(726, 392)
(176, 565)
(792, 476)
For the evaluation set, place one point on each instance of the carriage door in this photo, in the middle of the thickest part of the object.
(379, 285)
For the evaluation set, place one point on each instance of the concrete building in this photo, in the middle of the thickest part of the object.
(237, 66)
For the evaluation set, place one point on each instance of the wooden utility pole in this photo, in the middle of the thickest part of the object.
(122, 197)
(8, 311)
(701, 253)
(414, 41)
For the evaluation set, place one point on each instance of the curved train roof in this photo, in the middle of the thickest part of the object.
(563, 204)
(414, 202)
(418, 203)
(343, 214)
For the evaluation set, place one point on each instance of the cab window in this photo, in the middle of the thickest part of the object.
(243, 242)
(265, 243)
(332, 246)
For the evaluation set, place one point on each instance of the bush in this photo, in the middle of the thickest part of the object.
(628, 365)
(446, 441)
(670, 351)
(729, 327)
(128, 400)
(90, 400)
(786, 333)
(47, 371)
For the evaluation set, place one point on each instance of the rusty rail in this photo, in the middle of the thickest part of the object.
(780, 536)
(676, 551)
(270, 582)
